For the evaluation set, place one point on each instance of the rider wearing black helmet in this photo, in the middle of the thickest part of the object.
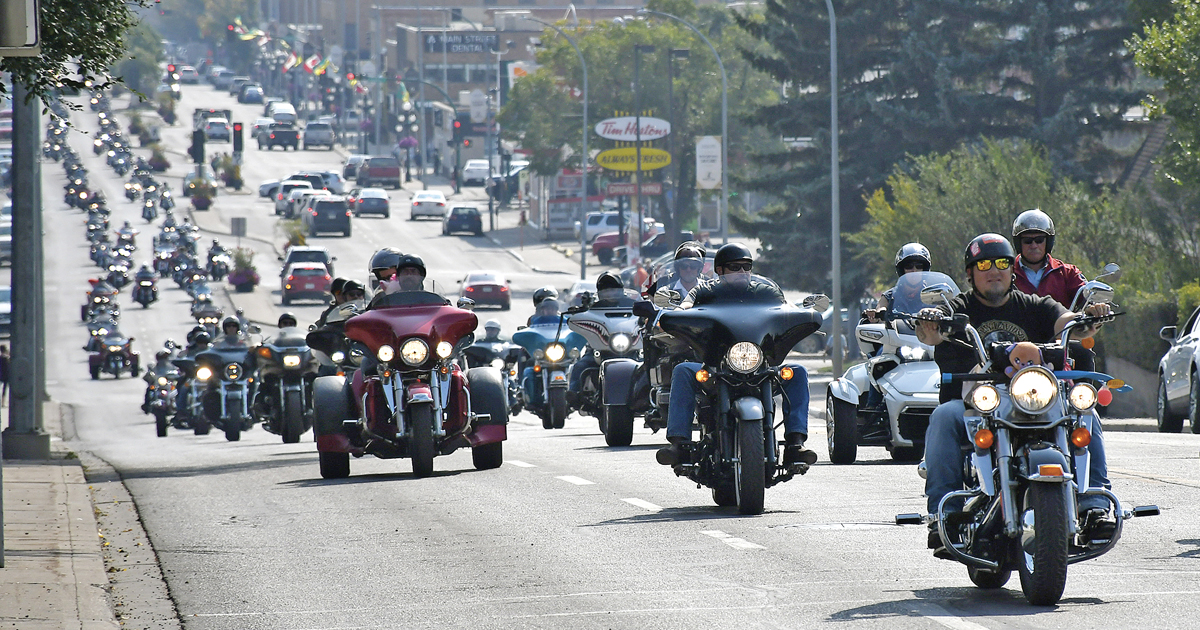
(384, 263)
(910, 258)
(610, 293)
(287, 320)
(409, 275)
(1004, 315)
(1037, 272)
(733, 264)
(545, 304)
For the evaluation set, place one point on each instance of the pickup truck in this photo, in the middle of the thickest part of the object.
(379, 170)
(318, 133)
(281, 135)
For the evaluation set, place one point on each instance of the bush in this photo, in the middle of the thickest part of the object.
(158, 159)
(243, 267)
(1134, 336)
(294, 233)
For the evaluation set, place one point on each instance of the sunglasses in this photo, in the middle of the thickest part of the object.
(1001, 264)
(692, 266)
(916, 265)
(1033, 240)
(736, 266)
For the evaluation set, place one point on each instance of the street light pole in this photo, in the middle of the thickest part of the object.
(724, 120)
(835, 202)
(672, 225)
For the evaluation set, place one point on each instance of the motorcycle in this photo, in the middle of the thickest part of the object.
(191, 413)
(409, 397)
(1030, 463)
(218, 266)
(286, 368)
(100, 326)
(886, 400)
(741, 347)
(229, 379)
(114, 355)
(504, 356)
(149, 211)
(612, 333)
(99, 303)
(162, 398)
(544, 384)
(146, 292)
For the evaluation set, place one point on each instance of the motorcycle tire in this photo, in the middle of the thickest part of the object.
(201, 426)
(488, 396)
(841, 426)
(233, 429)
(618, 421)
(989, 580)
(1194, 403)
(334, 465)
(725, 495)
(160, 424)
(293, 417)
(547, 421)
(558, 407)
(1042, 558)
(420, 444)
(95, 370)
(750, 475)
(1168, 422)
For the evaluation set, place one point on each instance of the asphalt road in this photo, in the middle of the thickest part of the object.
(568, 533)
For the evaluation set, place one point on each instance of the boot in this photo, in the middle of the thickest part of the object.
(1098, 526)
(794, 451)
(675, 454)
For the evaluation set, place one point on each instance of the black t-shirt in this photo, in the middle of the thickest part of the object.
(1023, 317)
(715, 292)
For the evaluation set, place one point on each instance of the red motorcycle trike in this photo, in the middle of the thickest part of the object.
(409, 397)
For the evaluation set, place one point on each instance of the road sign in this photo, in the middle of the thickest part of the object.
(478, 106)
(625, 159)
(19, 28)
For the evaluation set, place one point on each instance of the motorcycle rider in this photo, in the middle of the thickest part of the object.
(910, 258)
(384, 262)
(545, 306)
(162, 366)
(733, 263)
(491, 331)
(1037, 272)
(287, 320)
(689, 263)
(409, 275)
(1000, 314)
(214, 250)
(198, 341)
(232, 329)
(610, 293)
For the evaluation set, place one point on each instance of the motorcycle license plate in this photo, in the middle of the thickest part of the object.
(309, 285)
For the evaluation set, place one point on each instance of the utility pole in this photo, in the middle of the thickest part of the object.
(636, 247)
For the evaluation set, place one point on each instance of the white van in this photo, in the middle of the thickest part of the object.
(283, 113)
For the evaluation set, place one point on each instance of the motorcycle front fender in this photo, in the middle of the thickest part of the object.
(747, 409)
(845, 390)
(616, 381)
(417, 393)
(556, 378)
(1047, 455)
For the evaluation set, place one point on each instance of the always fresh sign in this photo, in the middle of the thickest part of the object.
(624, 128)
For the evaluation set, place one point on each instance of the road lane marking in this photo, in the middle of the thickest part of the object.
(941, 616)
(576, 480)
(736, 543)
(520, 464)
(644, 504)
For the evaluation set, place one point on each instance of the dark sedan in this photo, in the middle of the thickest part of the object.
(463, 219)
(487, 288)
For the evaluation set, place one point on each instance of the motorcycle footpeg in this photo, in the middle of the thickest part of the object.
(798, 468)
(910, 519)
(1144, 510)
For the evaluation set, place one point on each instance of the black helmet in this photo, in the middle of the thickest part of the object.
(543, 294)
(191, 336)
(161, 354)
(910, 253)
(731, 252)
(335, 287)
(202, 338)
(386, 258)
(689, 249)
(410, 260)
(987, 246)
(353, 285)
(287, 317)
(230, 320)
(609, 280)
(1034, 221)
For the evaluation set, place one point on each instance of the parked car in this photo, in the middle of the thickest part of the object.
(605, 247)
(370, 201)
(282, 198)
(381, 170)
(427, 203)
(279, 135)
(597, 223)
(305, 281)
(657, 244)
(318, 134)
(463, 219)
(5, 311)
(216, 129)
(487, 288)
(307, 253)
(1179, 377)
(476, 171)
(350, 168)
(328, 213)
(268, 188)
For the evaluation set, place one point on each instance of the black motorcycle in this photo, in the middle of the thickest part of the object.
(145, 292)
(741, 347)
(506, 357)
(229, 379)
(286, 368)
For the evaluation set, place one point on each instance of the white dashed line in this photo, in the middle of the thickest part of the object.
(576, 480)
(520, 464)
(644, 504)
(736, 543)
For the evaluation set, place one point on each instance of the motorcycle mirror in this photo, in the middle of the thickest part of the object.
(644, 309)
(466, 303)
(1112, 271)
(816, 301)
(937, 294)
(1098, 293)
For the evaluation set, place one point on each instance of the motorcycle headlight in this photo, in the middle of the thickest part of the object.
(744, 356)
(114, 348)
(1083, 396)
(909, 353)
(233, 371)
(444, 348)
(620, 342)
(386, 353)
(338, 357)
(203, 374)
(1033, 390)
(146, 284)
(356, 355)
(555, 352)
(100, 332)
(291, 360)
(414, 352)
(985, 398)
(162, 380)
(498, 364)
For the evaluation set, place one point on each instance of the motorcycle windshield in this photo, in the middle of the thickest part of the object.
(290, 338)
(906, 295)
(598, 325)
(423, 317)
(537, 336)
(712, 329)
(216, 358)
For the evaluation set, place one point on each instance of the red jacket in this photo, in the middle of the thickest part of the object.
(1059, 281)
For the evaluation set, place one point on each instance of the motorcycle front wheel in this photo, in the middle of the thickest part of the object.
(750, 476)
(558, 407)
(160, 424)
(1042, 546)
(293, 417)
(420, 445)
(618, 425)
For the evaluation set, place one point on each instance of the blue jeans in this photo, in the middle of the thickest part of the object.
(531, 382)
(946, 438)
(683, 401)
(585, 362)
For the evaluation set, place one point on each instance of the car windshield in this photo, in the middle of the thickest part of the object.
(306, 271)
(428, 196)
(483, 278)
(384, 161)
(309, 256)
(464, 212)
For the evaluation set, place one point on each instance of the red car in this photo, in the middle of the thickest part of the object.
(305, 281)
(487, 288)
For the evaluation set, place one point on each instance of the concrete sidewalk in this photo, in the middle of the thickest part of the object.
(53, 575)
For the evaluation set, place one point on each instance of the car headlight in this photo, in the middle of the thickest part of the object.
(1033, 390)
(985, 398)
(386, 353)
(291, 360)
(444, 348)
(338, 357)
(233, 371)
(1083, 396)
(162, 380)
(744, 356)
(203, 374)
(620, 342)
(555, 352)
(414, 352)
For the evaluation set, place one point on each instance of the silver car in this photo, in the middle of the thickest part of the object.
(428, 203)
(1179, 377)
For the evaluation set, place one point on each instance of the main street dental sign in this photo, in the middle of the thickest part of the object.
(624, 128)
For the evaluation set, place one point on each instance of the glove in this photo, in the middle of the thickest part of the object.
(665, 297)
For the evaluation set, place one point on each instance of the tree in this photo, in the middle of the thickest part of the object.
(139, 69)
(1170, 52)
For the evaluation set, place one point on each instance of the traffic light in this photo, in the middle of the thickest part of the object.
(237, 137)
(467, 143)
(197, 148)
(170, 68)
(229, 33)
(457, 129)
(350, 77)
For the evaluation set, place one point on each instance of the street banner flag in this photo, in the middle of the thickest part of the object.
(311, 63)
(293, 60)
(324, 65)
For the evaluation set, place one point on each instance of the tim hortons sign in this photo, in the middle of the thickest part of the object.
(624, 128)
